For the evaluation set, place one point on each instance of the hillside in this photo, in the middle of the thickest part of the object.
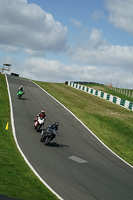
(110, 122)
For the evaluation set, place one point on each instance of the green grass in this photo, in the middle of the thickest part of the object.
(16, 178)
(110, 122)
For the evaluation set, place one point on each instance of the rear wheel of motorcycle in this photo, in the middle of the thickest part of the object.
(38, 127)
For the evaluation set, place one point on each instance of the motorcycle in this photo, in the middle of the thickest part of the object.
(47, 135)
(38, 122)
(20, 93)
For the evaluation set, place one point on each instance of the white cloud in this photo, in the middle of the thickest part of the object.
(105, 55)
(77, 23)
(98, 15)
(54, 71)
(8, 48)
(28, 26)
(42, 69)
(121, 14)
(96, 38)
(109, 60)
(98, 52)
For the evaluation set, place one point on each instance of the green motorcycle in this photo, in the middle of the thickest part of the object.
(20, 93)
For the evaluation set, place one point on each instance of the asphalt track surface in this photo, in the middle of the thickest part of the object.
(75, 165)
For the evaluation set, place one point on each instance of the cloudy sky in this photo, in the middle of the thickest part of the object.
(74, 40)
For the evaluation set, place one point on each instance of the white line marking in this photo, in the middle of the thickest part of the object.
(77, 159)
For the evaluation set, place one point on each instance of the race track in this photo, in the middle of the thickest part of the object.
(75, 165)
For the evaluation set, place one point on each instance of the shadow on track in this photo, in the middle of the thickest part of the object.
(23, 98)
(54, 144)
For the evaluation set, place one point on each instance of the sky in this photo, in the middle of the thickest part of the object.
(73, 40)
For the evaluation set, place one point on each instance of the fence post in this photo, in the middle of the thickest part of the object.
(132, 94)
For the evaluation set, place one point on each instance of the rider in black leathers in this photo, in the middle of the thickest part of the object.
(53, 129)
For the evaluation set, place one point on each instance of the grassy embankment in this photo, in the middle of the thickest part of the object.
(110, 122)
(16, 178)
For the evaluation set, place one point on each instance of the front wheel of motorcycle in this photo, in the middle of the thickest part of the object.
(41, 140)
(47, 140)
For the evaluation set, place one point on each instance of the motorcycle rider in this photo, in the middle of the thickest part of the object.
(53, 129)
(20, 88)
(42, 115)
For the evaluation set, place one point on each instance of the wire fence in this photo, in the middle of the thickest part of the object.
(123, 91)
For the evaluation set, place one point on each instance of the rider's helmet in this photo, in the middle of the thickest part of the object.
(56, 124)
(42, 113)
(21, 87)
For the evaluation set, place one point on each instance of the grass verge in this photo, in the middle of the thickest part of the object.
(16, 178)
(110, 122)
